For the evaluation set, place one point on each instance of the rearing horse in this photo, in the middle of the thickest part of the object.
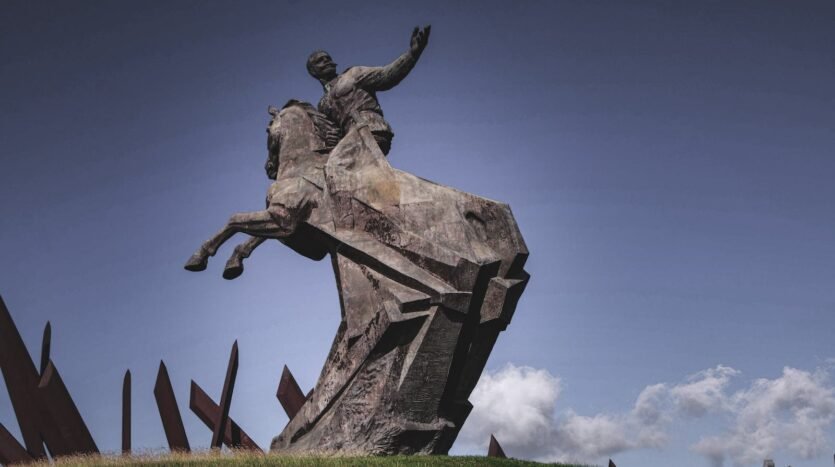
(428, 277)
(298, 141)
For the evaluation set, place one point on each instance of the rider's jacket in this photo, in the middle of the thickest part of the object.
(350, 98)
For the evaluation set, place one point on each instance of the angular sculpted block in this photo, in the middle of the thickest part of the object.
(428, 277)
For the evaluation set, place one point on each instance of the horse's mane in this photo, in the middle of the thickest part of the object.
(327, 130)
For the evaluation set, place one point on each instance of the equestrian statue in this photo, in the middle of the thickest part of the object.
(428, 276)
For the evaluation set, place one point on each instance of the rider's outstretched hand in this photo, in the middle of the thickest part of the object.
(420, 37)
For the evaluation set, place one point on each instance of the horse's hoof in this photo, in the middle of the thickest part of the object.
(233, 272)
(197, 262)
(234, 268)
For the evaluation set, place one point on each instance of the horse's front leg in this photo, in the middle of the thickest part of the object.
(257, 223)
(235, 265)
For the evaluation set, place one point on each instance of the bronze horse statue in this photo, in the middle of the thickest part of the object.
(427, 275)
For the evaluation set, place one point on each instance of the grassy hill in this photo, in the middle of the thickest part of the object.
(252, 459)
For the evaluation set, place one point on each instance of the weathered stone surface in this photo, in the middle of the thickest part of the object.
(350, 98)
(428, 276)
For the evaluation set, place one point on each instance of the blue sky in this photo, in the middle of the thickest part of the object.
(670, 165)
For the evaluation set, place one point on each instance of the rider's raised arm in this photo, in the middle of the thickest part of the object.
(386, 77)
(383, 78)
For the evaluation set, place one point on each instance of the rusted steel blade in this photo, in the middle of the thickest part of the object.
(65, 414)
(226, 397)
(208, 412)
(11, 452)
(290, 394)
(126, 413)
(172, 422)
(22, 380)
(46, 343)
(495, 449)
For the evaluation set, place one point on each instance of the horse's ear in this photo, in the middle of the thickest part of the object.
(272, 110)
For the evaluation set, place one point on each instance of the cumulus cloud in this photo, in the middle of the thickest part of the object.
(519, 405)
(650, 417)
(583, 437)
(791, 412)
(704, 391)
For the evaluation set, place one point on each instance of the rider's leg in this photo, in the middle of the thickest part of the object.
(383, 139)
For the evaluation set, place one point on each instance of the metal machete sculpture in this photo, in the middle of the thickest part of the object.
(427, 275)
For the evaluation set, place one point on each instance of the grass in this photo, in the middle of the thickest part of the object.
(243, 458)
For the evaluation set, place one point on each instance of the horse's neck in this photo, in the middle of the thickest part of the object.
(298, 148)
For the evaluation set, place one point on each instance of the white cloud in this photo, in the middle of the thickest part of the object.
(650, 417)
(791, 412)
(519, 405)
(704, 392)
(581, 437)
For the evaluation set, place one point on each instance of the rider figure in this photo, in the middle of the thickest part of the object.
(350, 98)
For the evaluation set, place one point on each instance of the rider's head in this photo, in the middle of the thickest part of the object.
(321, 66)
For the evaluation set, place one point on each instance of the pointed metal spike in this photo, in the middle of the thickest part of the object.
(46, 343)
(209, 412)
(289, 393)
(21, 378)
(126, 418)
(495, 449)
(11, 452)
(169, 413)
(226, 397)
(65, 414)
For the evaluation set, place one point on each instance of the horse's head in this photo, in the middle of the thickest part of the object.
(273, 144)
(298, 126)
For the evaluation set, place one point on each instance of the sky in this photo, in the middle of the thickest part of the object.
(670, 165)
